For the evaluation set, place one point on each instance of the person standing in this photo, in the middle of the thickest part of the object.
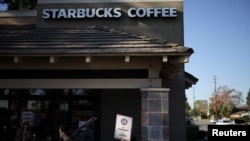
(64, 133)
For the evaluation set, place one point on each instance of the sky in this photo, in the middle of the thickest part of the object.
(219, 33)
(3, 6)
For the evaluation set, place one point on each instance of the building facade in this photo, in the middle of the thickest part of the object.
(69, 61)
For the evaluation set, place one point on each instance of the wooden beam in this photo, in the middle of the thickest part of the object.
(79, 83)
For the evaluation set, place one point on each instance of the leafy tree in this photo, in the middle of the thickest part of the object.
(195, 112)
(20, 4)
(248, 98)
(224, 100)
(187, 106)
(201, 106)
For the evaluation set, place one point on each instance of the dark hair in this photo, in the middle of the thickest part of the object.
(65, 129)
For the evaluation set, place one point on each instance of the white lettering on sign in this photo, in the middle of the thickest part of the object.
(82, 13)
(123, 127)
(108, 13)
(152, 12)
(216, 132)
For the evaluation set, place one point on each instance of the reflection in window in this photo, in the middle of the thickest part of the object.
(4, 92)
(3, 113)
(51, 107)
(64, 106)
(4, 117)
(37, 104)
(37, 92)
(4, 104)
(78, 92)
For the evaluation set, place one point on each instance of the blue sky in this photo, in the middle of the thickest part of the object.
(3, 6)
(219, 33)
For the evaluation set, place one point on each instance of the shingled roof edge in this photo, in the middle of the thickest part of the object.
(157, 41)
(176, 48)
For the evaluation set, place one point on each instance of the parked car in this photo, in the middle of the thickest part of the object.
(213, 120)
(224, 121)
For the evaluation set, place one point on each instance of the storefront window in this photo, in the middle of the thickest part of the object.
(3, 118)
(41, 111)
(82, 111)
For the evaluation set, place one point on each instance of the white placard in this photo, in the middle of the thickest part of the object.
(123, 127)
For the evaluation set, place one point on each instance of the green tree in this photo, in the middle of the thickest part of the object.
(195, 112)
(248, 101)
(248, 98)
(187, 106)
(201, 105)
(21, 4)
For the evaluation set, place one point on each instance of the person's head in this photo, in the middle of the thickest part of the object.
(64, 131)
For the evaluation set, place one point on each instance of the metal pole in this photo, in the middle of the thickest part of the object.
(215, 94)
(194, 97)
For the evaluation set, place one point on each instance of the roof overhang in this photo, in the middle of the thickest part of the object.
(23, 41)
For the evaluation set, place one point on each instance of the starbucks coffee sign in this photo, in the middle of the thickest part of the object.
(159, 19)
(80, 13)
